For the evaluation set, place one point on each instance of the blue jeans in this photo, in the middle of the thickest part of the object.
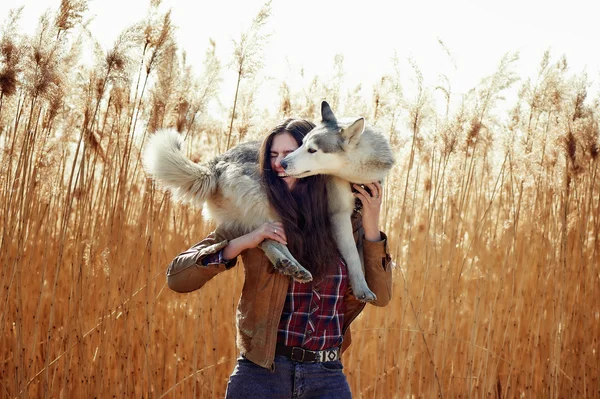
(290, 379)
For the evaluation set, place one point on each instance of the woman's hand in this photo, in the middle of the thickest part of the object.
(272, 230)
(371, 206)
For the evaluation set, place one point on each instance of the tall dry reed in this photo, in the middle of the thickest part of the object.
(492, 212)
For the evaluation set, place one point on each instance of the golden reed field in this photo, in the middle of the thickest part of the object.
(493, 214)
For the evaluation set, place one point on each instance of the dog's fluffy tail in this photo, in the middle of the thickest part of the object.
(165, 162)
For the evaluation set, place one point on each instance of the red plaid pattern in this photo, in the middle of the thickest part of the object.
(216, 259)
(313, 314)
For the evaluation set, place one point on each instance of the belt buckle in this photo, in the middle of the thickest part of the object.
(294, 356)
(330, 355)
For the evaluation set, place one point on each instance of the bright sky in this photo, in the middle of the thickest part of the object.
(309, 33)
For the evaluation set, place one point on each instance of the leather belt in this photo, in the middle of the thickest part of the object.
(305, 356)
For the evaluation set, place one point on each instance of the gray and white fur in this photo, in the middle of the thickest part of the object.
(230, 190)
(228, 187)
(349, 151)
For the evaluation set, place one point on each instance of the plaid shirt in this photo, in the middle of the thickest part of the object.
(217, 259)
(313, 314)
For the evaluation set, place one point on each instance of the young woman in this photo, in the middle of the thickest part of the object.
(291, 335)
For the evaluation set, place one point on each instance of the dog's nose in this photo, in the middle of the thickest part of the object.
(284, 164)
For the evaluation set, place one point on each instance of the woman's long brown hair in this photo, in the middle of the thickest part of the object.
(304, 209)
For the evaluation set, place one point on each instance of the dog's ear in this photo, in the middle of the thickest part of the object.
(327, 114)
(352, 133)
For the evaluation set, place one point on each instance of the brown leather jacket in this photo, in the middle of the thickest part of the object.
(264, 291)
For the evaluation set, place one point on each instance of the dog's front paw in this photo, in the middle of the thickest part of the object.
(365, 295)
(294, 270)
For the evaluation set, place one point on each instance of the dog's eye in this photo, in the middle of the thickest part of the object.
(311, 150)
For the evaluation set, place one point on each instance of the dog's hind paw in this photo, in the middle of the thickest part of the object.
(365, 296)
(294, 270)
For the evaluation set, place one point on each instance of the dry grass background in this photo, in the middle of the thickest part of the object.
(493, 215)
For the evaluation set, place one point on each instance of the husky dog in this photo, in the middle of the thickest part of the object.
(348, 151)
(229, 186)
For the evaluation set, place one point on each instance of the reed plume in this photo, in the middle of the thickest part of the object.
(492, 214)
(247, 55)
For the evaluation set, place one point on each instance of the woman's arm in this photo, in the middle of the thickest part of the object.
(189, 271)
(378, 269)
(272, 230)
(371, 206)
(377, 260)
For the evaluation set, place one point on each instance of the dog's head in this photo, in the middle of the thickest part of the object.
(325, 149)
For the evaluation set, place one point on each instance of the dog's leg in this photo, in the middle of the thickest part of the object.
(341, 203)
(284, 262)
(342, 229)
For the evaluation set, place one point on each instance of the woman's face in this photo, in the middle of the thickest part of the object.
(283, 144)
